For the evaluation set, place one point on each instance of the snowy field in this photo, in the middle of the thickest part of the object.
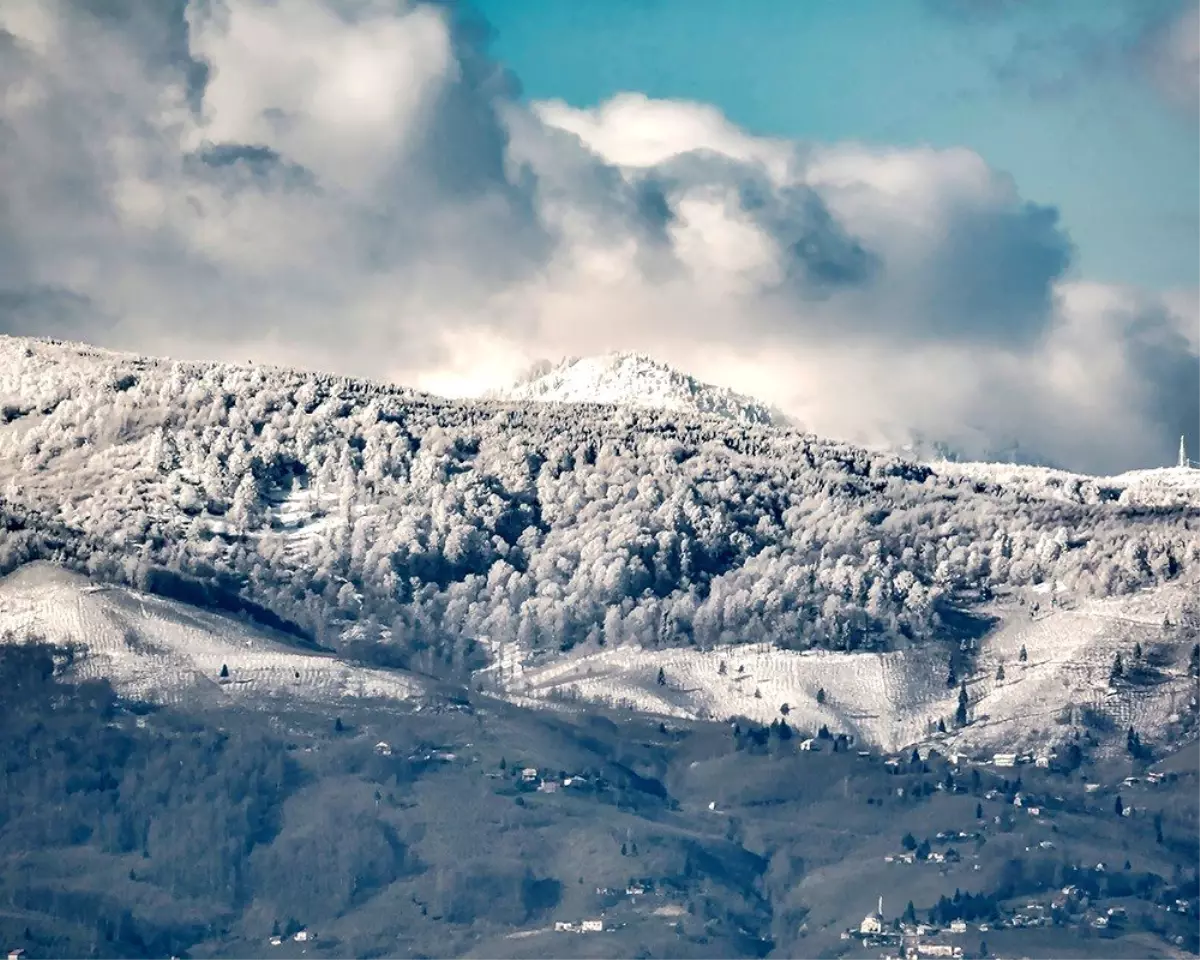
(163, 651)
(894, 700)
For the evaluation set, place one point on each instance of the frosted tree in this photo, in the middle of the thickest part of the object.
(245, 502)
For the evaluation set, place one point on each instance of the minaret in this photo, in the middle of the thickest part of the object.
(1183, 457)
(881, 908)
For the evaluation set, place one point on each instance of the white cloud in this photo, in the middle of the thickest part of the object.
(351, 185)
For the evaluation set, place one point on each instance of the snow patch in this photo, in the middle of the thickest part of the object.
(160, 650)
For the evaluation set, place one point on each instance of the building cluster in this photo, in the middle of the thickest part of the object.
(583, 926)
(911, 939)
(300, 936)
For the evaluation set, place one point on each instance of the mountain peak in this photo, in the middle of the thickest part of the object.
(630, 379)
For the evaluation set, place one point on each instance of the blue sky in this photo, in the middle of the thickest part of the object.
(1057, 94)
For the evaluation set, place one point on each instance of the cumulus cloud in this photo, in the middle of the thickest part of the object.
(353, 185)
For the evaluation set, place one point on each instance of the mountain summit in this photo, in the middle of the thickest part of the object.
(634, 380)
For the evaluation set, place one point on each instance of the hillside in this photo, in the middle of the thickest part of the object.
(159, 650)
(204, 830)
(453, 537)
(896, 699)
(635, 380)
(1161, 487)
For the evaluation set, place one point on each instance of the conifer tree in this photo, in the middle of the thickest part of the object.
(960, 715)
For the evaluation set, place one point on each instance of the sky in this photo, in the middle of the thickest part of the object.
(1056, 94)
(966, 220)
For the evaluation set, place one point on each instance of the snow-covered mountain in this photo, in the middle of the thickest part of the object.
(551, 551)
(627, 379)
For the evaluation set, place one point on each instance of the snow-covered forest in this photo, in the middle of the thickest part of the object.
(372, 515)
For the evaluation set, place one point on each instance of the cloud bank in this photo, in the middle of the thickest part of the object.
(353, 185)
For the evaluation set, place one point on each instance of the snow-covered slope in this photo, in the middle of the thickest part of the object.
(160, 650)
(635, 380)
(896, 699)
(1164, 486)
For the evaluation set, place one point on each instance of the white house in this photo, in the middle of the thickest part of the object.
(873, 922)
(809, 744)
(302, 936)
(383, 748)
(563, 926)
(592, 926)
(529, 774)
(958, 926)
(1004, 759)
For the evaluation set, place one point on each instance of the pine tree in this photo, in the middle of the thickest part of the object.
(1119, 807)
(1137, 651)
(821, 695)
(338, 726)
(941, 725)
(951, 677)
(960, 715)
(224, 671)
(1024, 655)
(785, 709)
(1194, 662)
(1118, 669)
(722, 669)
(910, 913)
(662, 677)
(1000, 674)
(978, 811)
